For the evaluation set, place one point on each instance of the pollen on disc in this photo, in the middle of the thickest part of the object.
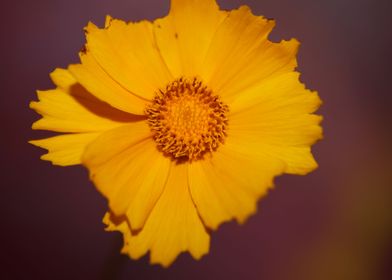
(187, 119)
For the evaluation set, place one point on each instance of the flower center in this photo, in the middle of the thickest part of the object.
(187, 119)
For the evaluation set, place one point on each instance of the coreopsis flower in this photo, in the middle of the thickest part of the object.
(182, 122)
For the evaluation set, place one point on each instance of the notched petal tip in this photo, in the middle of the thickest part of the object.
(38, 143)
(180, 5)
(247, 9)
(164, 264)
(320, 135)
(90, 28)
(241, 220)
(108, 21)
(34, 142)
(61, 77)
(292, 45)
(33, 105)
(311, 169)
(310, 166)
(36, 125)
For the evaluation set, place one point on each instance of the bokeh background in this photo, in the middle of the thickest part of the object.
(334, 224)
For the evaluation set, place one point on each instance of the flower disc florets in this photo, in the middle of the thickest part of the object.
(187, 119)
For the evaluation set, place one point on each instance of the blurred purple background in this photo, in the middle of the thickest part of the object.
(334, 224)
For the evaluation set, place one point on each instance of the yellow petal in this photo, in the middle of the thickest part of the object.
(91, 76)
(63, 79)
(184, 36)
(128, 54)
(228, 184)
(281, 91)
(241, 54)
(65, 149)
(127, 168)
(297, 159)
(70, 108)
(173, 226)
(276, 117)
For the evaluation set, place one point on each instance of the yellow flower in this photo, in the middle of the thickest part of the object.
(182, 122)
